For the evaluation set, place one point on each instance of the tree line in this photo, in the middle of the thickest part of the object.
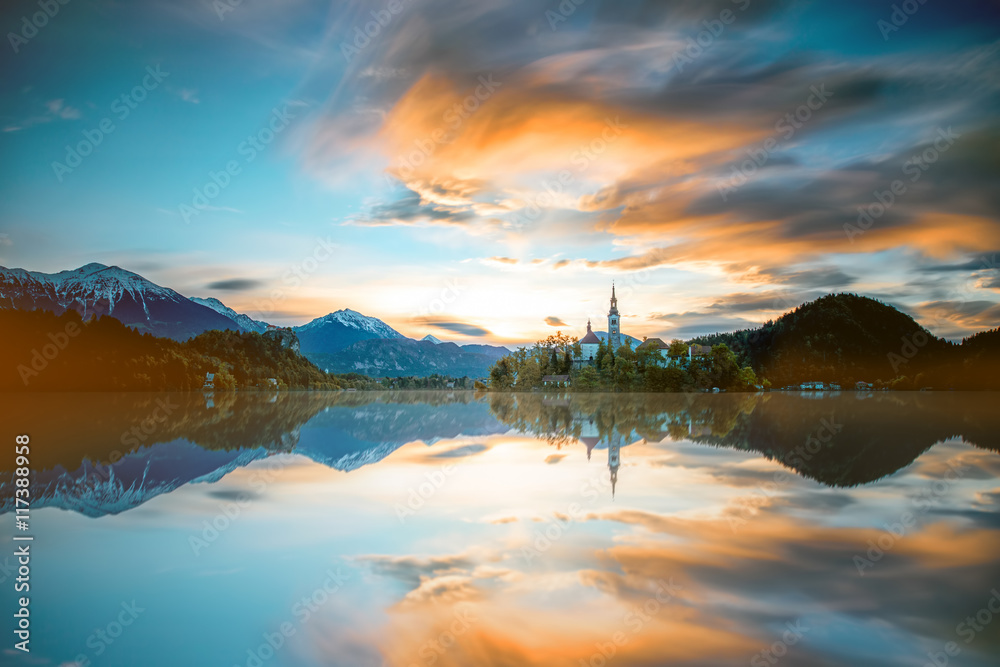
(624, 369)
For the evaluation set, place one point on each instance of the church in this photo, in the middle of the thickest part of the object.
(590, 342)
(663, 357)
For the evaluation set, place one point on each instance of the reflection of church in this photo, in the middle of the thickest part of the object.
(590, 436)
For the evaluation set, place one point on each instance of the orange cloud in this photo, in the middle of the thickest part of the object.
(447, 143)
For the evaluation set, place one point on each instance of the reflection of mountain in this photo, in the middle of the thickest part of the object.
(134, 479)
(116, 451)
(106, 453)
(855, 438)
(347, 438)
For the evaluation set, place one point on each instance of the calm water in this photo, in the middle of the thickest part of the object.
(419, 529)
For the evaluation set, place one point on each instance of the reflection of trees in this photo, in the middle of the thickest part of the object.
(66, 428)
(880, 433)
(650, 416)
(876, 435)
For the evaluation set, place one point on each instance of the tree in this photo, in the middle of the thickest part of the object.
(502, 374)
(587, 379)
(678, 348)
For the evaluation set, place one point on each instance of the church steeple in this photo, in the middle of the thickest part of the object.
(614, 329)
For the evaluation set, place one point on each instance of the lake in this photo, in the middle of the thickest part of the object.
(421, 528)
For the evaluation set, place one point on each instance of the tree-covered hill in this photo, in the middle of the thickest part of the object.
(42, 351)
(844, 338)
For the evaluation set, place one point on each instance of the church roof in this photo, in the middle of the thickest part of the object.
(655, 343)
(591, 337)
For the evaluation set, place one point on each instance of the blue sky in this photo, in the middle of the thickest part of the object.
(609, 146)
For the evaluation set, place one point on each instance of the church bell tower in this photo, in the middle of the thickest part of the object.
(614, 327)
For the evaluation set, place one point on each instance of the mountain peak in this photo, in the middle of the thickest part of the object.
(98, 289)
(92, 267)
(355, 320)
(432, 339)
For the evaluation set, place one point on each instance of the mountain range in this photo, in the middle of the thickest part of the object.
(98, 290)
(342, 341)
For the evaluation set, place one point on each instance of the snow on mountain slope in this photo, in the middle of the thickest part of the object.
(338, 330)
(96, 289)
(355, 320)
(244, 321)
(432, 339)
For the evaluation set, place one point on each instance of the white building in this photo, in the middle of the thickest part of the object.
(589, 345)
(590, 342)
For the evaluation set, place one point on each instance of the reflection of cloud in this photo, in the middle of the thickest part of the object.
(412, 569)
(554, 458)
(235, 495)
(457, 452)
(444, 589)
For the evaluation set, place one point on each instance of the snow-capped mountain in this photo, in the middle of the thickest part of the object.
(244, 321)
(432, 339)
(338, 330)
(96, 289)
(355, 320)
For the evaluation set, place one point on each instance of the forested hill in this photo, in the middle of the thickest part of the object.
(845, 338)
(45, 352)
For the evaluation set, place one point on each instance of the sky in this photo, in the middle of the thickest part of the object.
(484, 171)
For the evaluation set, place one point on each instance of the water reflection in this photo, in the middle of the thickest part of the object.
(537, 530)
(108, 453)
